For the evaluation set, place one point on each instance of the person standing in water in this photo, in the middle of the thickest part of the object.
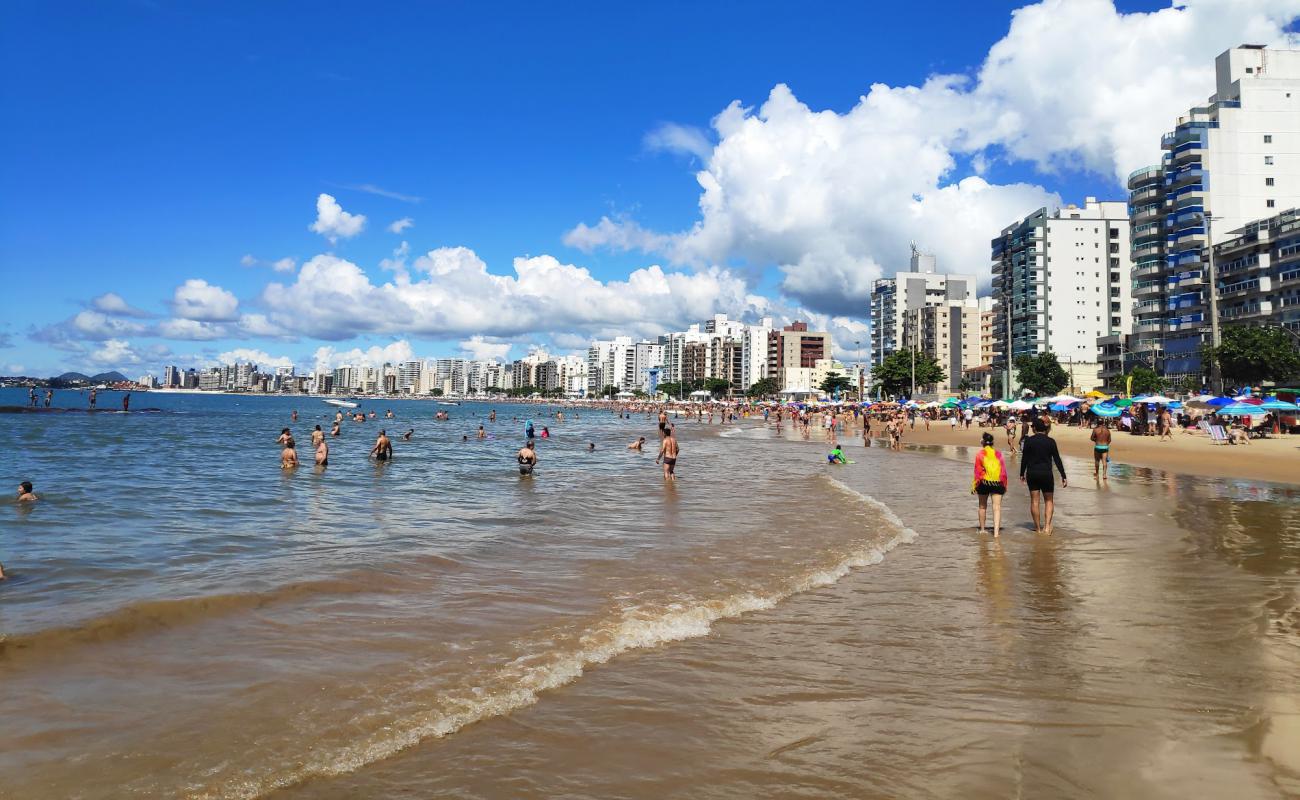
(317, 436)
(126, 402)
(93, 394)
(990, 481)
(1037, 455)
(383, 449)
(527, 458)
(49, 397)
(289, 455)
(1100, 450)
(322, 451)
(668, 451)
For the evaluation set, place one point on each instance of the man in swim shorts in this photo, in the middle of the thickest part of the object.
(383, 449)
(1100, 449)
(1037, 455)
(668, 451)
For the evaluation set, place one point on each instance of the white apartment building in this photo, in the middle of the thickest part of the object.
(921, 285)
(646, 357)
(950, 334)
(1060, 283)
(408, 376)
(1228, 163)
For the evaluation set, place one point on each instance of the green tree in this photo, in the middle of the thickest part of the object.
(835, 384)
(672, 388)
(895, 373)
(717, 386)
(764, 387)
(1252, 355)
(1042, 374)
(437, 393)
(1145, 380)
(609, 391)
(995, 386)
(966, 386)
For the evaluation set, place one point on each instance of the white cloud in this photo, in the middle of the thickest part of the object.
(191, 330)
(196, 299)
(97, 326)
(682, 139)
(477, 347)
(333, 222)
(114, 353)
(450, 293)
(400, 225)
(394, 353)
(834, 199)
(244, 355)
(112, 303)
(370, 188)
(259, 325)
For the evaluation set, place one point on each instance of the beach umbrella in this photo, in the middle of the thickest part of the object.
(1106, 410)
(1241, 410)
(1151, 398)
(1096, 395)
(1121, 403)
(1274, 404)
(1021, 405)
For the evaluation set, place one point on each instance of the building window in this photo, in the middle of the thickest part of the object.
(1269, 203)
(1268, 160)
(1268, 138)
(1268, 181)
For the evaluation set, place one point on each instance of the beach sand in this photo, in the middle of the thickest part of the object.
(1276, 459)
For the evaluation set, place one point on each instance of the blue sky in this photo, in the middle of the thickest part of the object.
(153, 143)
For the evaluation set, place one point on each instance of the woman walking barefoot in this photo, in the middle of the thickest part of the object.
(990, 481)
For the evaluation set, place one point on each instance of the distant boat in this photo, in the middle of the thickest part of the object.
(446, 403)
(342, 403)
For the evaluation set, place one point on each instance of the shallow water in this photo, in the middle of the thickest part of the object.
(185, 620)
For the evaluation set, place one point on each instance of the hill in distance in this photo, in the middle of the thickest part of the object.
(109, 377)
(81, 377)
(72, 376)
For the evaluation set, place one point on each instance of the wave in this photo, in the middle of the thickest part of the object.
(150, 616)
(519, 683)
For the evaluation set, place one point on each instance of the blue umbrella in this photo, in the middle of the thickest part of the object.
(1106, 410)
(1240, 410)
(1219, 401)
(1271, 403)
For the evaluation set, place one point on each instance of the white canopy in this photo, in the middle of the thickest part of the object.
(1151, 398)
(1021, 405)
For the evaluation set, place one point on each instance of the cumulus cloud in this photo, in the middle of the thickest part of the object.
(450, 293)
(478, 347)
(333, 222)
(400, 225)
(112, 303)
(244, 355)
(683, 139)
(96, 326)
(196, 299)
(328, 357)
(833, 199)
(118, 353)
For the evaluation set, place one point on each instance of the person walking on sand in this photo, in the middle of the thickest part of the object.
(990, 481)
(668, 451)
(1100, 450)
(1037, 455)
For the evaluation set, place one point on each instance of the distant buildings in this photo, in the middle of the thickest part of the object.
(892, 299)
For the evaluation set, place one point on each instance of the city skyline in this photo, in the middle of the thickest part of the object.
(783, 191)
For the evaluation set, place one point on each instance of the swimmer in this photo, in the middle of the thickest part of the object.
(482, 434)
(591, 447)
(317, 436)
(383, 449)
(25, 494)
(322, 453)
(407, 436)
(288, 456)
(492, 417)
(546, 432)
(638, 444)
(388, 414)
(335, 430)
(286, 438)
(294, 416)
(527, 458)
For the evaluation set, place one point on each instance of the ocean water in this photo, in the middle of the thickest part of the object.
(185, 619)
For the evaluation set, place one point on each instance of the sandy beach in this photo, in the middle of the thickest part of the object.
(1276, 459)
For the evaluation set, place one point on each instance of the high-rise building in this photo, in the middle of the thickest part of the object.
(1060, 283)
(1226, 164)
(1258, 268)
(796, 346)
(950, 334)
(171, 377)
(892, 298)
(408, 376)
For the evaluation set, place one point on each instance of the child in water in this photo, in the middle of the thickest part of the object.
(836, 456)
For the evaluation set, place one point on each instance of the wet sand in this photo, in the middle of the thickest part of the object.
(1147, 650)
